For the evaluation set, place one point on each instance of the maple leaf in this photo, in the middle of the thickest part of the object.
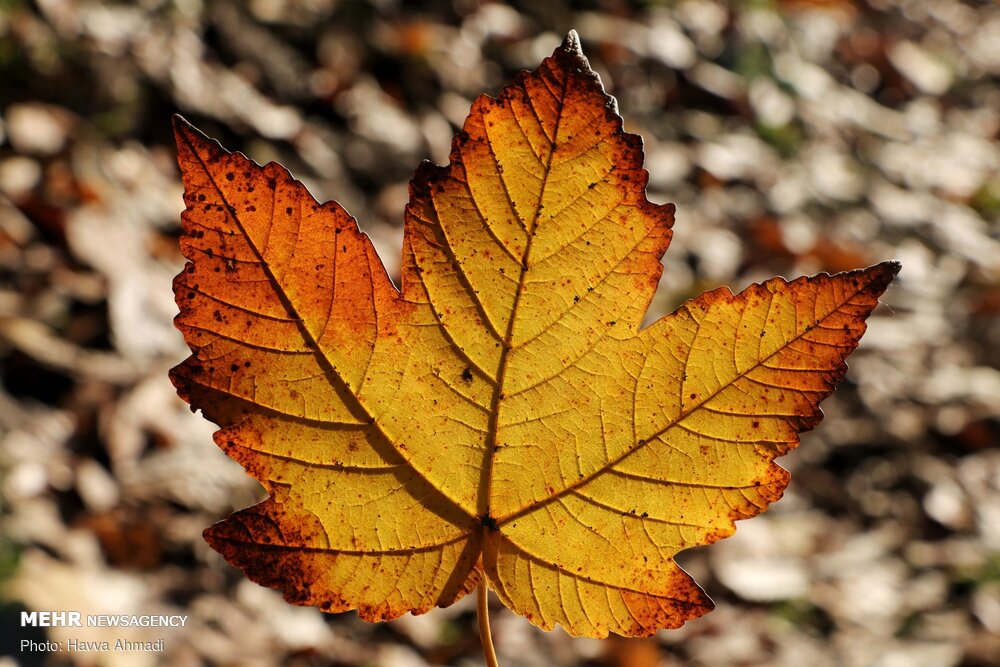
(503, 416)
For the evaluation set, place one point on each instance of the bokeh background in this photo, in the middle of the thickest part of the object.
(795, 137)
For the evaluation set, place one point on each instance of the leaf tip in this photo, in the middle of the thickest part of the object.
(218, 535)
(190, 139)
(181, 126)
(210, 535)
(884, 274)
(572, 43)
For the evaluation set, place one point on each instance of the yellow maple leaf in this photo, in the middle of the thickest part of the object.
(503, 419)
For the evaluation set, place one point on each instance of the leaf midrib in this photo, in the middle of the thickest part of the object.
(496, 400)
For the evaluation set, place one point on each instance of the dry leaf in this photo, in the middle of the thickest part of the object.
(504, 415)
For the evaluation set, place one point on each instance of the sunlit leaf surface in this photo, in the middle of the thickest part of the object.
(504, 415)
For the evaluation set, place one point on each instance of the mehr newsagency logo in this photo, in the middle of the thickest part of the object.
(75, 619)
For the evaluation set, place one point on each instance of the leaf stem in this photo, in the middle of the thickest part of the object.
(483, 614)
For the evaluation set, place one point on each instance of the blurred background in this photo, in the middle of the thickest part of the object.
(795, 137)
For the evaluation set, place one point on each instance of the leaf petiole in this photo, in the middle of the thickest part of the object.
(483, 614)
